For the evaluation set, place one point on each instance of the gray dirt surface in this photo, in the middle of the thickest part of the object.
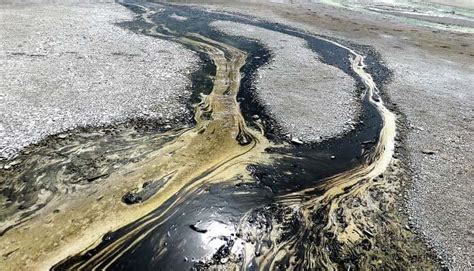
(309, 99)
(439, 105)
(64, 66)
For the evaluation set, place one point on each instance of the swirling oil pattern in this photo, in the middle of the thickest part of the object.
(235, 197)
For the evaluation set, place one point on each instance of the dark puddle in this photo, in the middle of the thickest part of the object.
(200, 229)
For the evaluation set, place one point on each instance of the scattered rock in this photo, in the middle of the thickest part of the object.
(428, 152)
(12, 164)
(195, 228)
(130, 198)
(297, 141)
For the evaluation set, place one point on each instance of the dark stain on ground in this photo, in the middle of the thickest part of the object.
(172, 239)
(202, 229)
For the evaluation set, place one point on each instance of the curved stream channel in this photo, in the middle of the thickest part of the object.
(225, 193)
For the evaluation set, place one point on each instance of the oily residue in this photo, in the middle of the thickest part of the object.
(222, 195)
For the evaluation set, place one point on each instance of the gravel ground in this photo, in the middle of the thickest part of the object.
(433, 86)
(64, 66)
(309, 99)
(439, 104)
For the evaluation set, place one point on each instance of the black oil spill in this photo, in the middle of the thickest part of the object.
(198, 21)
(201, 229)
(194, 230)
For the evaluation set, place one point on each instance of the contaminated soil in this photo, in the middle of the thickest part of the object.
(398, 175)
(431, 85)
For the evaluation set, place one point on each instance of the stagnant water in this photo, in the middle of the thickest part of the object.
(226, 192)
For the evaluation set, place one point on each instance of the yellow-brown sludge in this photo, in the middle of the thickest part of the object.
(209, 149)
(218, 148)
